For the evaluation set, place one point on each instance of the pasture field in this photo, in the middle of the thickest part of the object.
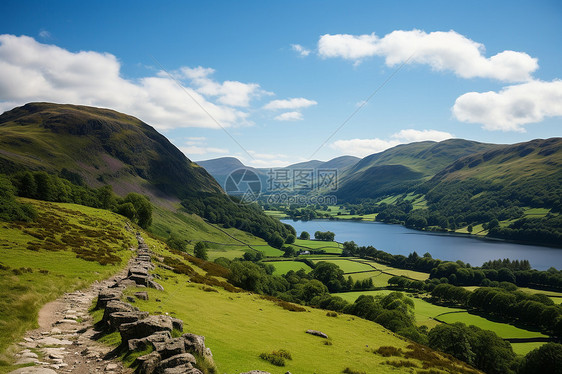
(348, 266)
(238, 327)
(283, 267)
(329, 247)
(503, 330)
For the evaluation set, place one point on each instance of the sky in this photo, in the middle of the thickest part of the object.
(278, 82)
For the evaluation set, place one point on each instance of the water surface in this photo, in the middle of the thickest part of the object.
(396, 239)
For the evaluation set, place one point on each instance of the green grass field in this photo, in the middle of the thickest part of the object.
(329, 247)
(348, 266)
(504, 330)
(283, 267)
(52, 267)
(238, 327)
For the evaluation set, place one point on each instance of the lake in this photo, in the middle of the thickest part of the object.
(396, 239)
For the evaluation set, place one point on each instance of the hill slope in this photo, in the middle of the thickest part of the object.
(102, 146)
(414, 163)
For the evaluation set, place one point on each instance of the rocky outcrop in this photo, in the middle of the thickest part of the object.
(140, 331)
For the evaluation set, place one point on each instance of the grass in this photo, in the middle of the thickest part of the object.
(283, 267)
(329, 247)
(503, 330)
(53, 267)
(239, 327)
(350, 265)
(276, 214)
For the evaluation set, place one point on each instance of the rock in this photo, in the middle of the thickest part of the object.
(131, 299)
(56, 331)
(139, 279)
(153, 284)
(143, 295)
(27, 360)
(29, 354)
(116, 306)
(33, 370)
(112, 367)
(317, 333)
(147, 364)
(177, 360)
(157, 337)
(145, 327)
(182, 369)
(194, 343)
(118, 318)
(53, 341)
(171, 348)
(177, 324)
(106, 295)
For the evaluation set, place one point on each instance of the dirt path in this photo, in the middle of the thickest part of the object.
(63, 342)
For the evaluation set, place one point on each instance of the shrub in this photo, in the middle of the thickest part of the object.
(388, 351)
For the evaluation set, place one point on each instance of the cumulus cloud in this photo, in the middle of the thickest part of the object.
(45, 34)
(365, 147)
(300, 50)
(198, 146)
(289, 116)
(32, 71)
(440, 50)
(512, 107)
(294, 103)
(230, 93)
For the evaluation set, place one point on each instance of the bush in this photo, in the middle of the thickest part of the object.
(200, 251)
(277, 358)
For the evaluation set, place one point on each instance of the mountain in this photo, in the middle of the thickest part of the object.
(102, 146)
(342, 164)
(411, 163)
(221, 168)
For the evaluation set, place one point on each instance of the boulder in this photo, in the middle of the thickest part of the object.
(147, 364)
(107, 295)
(171, 348)
(153, 284)
(194, 343)
(145, 327)
(139, 279)
(177, 324)
(177, 360)
(182, 369)
(317, 333)
(115, 306)
(143, 295)
(118, 318)
(154, 339)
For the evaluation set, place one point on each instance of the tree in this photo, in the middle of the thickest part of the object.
(545, 359)
(175, 242)
(330, 274)
(290, 239)
(143, 209)
(452, 339)
(276, 241)
(304, 236)
(200, 250)
(289, 251)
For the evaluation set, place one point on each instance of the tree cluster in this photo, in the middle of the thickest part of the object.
(221, 209)
(327, 236)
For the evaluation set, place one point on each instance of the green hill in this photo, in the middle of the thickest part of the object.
(102, 147)
(414, 162)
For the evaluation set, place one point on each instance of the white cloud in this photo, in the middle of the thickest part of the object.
(440, 50)
(300, 50)
(230, 93)
(512, 107)
(294, 103)
(197, 145)
(45, 34)
(289, 116)
(198, 150)
(365, 147)
(265, 160)
(32, 71)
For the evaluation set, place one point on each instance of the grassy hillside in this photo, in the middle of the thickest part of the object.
(100, 145)
(68, 247)
(238, 326)
(410, 164)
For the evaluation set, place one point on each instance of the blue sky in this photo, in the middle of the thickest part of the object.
(272, 82)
